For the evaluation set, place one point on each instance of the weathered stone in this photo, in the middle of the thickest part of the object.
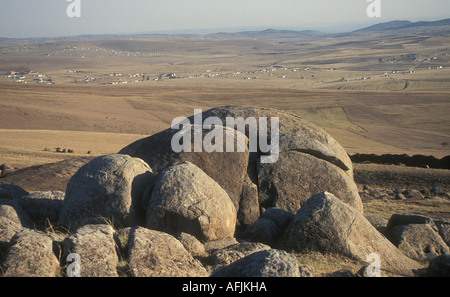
(326, 224)
(295, 177)
(96, 248)
(405, 219)
(264, 231)
(296, 134)
(444, 230)
(8, 229)
(43, 207)
(269, 263)
(11, 192)
(230, 254)
(342, 273)
(439, 266)
(249, 210)
(231, 170)
(107, 188)
(154, 253)
(439, 192)
(9, 212)
(228, 169)
(191, 244)
(279, 216)
(30, 255)
(5, 169)
(418, 241)
(186, 199)
(379, 223)
(220, 244)
(413, 194)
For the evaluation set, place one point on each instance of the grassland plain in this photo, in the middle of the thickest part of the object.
(373, 93)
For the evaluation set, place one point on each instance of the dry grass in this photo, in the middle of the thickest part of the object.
(24, 148)
(386, 208)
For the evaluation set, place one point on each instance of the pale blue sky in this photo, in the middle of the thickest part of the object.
(48, 18)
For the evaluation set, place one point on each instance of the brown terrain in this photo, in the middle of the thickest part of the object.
(375, 94)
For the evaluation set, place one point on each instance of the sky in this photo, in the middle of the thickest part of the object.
(49, 18)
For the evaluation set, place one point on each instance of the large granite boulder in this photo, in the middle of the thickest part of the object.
(109, 188)
(228, 169)
(185, 199)
(326, 224)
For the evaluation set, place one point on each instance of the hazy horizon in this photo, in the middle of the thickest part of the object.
(36, 19)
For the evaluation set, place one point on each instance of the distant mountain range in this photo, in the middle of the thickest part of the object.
(392, 27)
(441, 26)
(268, 33)
(399, 25)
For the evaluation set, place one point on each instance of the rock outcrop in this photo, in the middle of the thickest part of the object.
(185, 199)
(226, 168)
(151, 211)
(307, 154)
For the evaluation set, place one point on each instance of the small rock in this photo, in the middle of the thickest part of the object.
(220, 244)
(264, 231)
(30, 255)
(96, 247)
(157, 254)
(279, 216)
(413, 194)
(379, 223)
(304, 271)
(8, 229)
(405, 219)
(43, 207)
(249, 210)
(400, 196)
(426, 193)
(230, 254)
(191, 244)
(268, 263)
(365, 196)
(5, 170)
(11, 192)
(342, 273)
(444, 230)
(418, 241)
(9, 212)
(439, 266)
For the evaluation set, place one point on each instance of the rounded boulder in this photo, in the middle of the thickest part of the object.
(186, 199)
(109, 188)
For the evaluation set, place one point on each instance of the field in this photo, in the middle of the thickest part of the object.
(373, 93)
